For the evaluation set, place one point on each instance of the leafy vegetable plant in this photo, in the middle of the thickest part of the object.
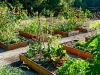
(73, 67)
(81, 46)
(55, 52)
(34, 48)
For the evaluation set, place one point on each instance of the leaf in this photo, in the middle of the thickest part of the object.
(87, 44)
(94, 25)
(64, 51)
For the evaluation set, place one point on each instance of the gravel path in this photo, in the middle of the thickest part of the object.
(8, 57)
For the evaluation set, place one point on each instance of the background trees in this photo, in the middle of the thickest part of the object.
(49, 6)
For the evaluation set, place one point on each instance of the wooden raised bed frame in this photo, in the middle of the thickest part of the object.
(81, 30)
(27, 35)
(13, 46)
(66, 33)
(87, 38)
(34, 65)
(34, 37)
(85, 30)
(61, 33)
(80, 53)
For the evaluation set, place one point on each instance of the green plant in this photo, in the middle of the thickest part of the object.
(94, 67)
(8, 36)
(88, 13)
(45, 12)
(81, 46)
(65, 28)
(8, 25)
(55, 52)
(31, 28)
(9, 70)
(73, 67)
(34, 48)
(81, 18)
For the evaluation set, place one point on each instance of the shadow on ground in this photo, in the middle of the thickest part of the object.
(25, 68)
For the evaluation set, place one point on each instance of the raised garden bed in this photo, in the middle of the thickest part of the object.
(87, 38)
(13, 45)
(70, 33)
(67, 46)
(37, 67)
(34, 37)
(85, 30)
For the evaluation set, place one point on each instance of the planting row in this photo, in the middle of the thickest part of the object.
(9, 36)
(16, 41)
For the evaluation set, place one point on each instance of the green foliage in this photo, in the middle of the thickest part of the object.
(73, 67)
(55, 51)
(81, 46)
(94, 67)
(34, 48)
(8, 25)
(94, 25)
(45, 12)
(31, 28)
(9, 70)
(64, 28)
(8, 36)
(88, 13)
(39, 5)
